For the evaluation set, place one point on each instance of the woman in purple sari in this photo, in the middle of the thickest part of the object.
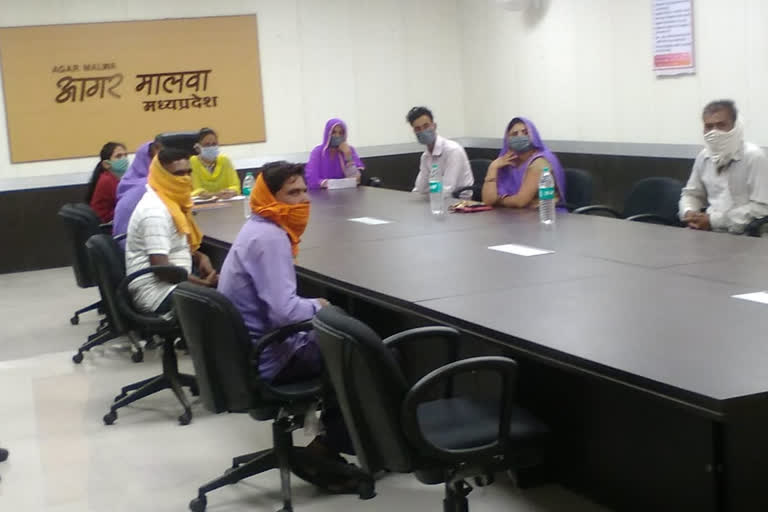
(132, 187)
(512, 180)
(334, 158)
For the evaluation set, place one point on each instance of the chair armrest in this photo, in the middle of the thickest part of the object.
(651, 218)
(597, 208)
(506, 368)
(754, 227)
(395, 340)
(106, 228)
(125, 303)
(414, 370)
(374, 181)
(456, 193)
(122, 236)
(278, 336)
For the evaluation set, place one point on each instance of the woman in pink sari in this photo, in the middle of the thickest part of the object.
(334, 158)
(512, 180)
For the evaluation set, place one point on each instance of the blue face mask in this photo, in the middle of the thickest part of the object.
(119, 166)
(427, 137)
(519, 143)
(336, 140)
(209, 153)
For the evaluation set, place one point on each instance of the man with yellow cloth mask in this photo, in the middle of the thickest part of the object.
(259, 278)
(162, 231)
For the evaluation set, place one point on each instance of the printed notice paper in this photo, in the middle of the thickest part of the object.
(519, 250)
(673, 37)
(369, 220)
(761, 297)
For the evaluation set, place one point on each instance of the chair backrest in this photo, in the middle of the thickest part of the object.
(185, 140)
(479, 170)
(108, 267)
(220, 347)
(659, 196)
(578, 186)
(80, 223)
(370, 388)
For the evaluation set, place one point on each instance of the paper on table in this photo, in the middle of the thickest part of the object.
(234, 198)
(342, 183)
(370, 220)
(761, 297)
(520, 250)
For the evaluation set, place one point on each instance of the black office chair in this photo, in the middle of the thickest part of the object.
(107, 262)
(479, 170)
(81, 223)
(578, 187)
(652, 200)
(402, 428)
(226, 364)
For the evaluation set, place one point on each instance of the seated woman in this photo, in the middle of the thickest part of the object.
(102, 188)
(334, 158)
(212, 173)
(512, 179)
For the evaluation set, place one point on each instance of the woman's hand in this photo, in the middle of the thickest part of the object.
(508, 158)
(205, 195)
(226, 194)
(346, 150)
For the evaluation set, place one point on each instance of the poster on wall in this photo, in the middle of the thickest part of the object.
(673, 37)
(68, 89)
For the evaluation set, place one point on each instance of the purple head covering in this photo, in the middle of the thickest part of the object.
(323, 165)
(510, 178)
(131, 189)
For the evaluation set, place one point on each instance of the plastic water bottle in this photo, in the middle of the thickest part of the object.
(436, 202)
(247, 186)
(546, 197)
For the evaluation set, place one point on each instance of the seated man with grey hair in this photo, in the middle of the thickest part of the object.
(728, 187)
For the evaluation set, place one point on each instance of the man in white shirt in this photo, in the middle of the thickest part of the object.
(729, 177)
(449, 156)
(162, 232)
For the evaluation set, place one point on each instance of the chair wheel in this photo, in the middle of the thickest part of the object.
(185, 419)
(198, 504)
(110, 417)
(77, 358)
(3, 454)
(366, 489)
(137, 356)
(74, 320)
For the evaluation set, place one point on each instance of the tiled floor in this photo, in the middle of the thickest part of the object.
(63, 458)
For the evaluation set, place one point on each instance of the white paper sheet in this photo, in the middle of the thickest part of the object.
(519, 250)
(342, 183)
(370, 221)
(761, 297)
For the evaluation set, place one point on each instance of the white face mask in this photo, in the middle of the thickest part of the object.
(722, 145)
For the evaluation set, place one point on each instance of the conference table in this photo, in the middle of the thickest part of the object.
(653, 377)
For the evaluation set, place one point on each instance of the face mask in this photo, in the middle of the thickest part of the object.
(336, 140)
(119, 166)
(427, 137)
(722, 145)
(518, 143)
(209, 153)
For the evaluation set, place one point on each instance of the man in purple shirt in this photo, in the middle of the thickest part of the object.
(259, 278)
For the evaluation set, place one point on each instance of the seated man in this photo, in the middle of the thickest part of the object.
(162, 231)
(729, 177)
(259, 278)
(449, 156)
